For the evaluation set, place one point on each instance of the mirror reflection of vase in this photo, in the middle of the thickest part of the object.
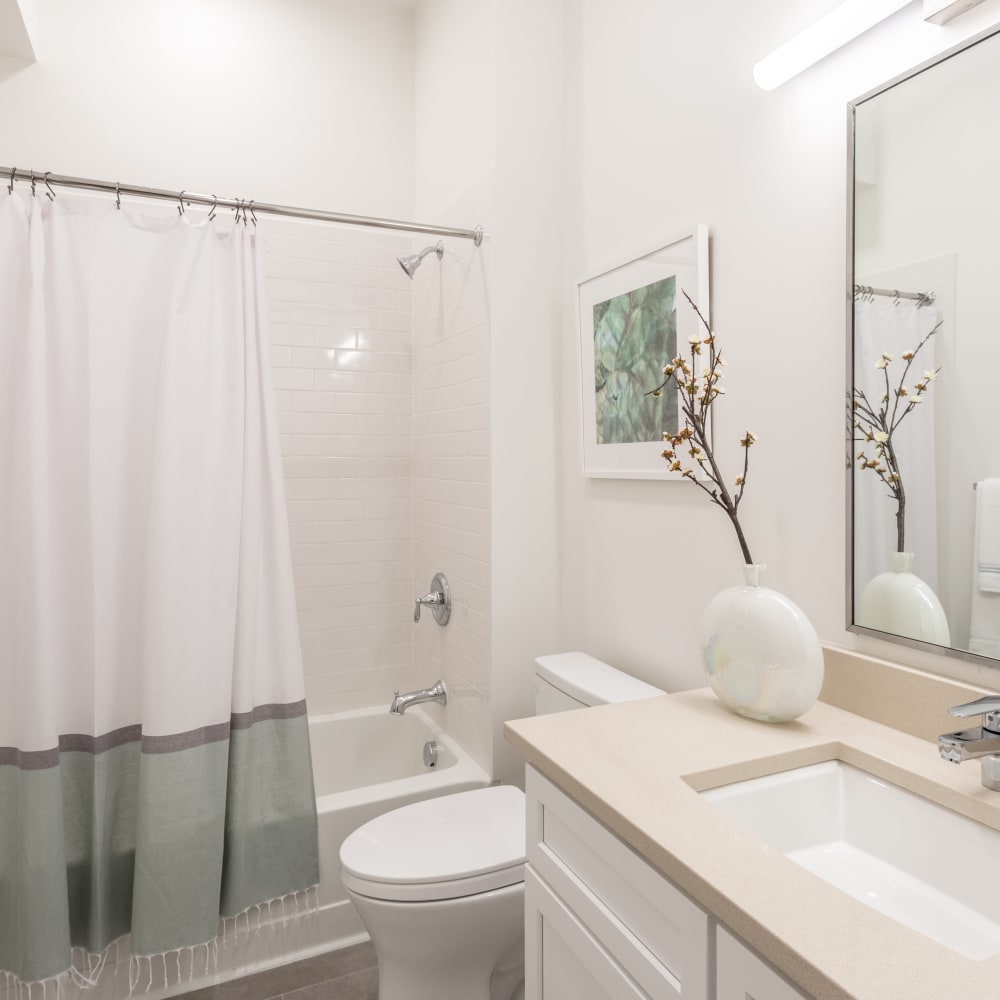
(900, 602)
(760, 651)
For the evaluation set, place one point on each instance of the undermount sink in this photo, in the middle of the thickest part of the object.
(911, 859)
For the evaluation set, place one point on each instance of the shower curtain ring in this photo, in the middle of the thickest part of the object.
(10, 186)
(253, 214)
(211, 211)
(50, 194)
(32, 183)
(180, 203)
(118, 194)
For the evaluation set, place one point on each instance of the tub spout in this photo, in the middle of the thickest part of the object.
(401, 702)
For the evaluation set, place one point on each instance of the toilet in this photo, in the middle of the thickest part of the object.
(439, 884)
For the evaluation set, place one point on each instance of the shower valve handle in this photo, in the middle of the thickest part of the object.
(428, 600)
(438, 600)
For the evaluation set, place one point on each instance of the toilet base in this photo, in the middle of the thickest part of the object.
(448, 949)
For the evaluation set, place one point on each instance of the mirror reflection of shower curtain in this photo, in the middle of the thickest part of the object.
(883, 326)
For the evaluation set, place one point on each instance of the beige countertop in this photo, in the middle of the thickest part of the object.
(638, 767)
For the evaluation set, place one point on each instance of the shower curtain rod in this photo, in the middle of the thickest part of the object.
(183, 198)
(921, 298)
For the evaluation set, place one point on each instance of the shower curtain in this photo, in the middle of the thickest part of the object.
(154, 757)
(891, 327)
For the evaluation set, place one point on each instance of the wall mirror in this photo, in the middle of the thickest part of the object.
(924, 356)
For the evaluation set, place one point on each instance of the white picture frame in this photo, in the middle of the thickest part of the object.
(633, 319)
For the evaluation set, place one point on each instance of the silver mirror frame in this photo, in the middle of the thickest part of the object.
(949, 651)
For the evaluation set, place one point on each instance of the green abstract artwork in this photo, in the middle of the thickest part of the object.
(635, 335)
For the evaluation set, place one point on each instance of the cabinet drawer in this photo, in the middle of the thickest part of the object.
(744, 976)
(647, 924)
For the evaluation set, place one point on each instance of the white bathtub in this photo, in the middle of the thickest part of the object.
(365, 763)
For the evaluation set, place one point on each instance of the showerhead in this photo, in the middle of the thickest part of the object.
(411, 263)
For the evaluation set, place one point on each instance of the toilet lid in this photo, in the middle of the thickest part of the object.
(441, 848)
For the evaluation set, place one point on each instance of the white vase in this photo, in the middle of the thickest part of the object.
(762, 654)
(901, 603)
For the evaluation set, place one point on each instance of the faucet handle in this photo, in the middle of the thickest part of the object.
(991, 703)
(988, 706)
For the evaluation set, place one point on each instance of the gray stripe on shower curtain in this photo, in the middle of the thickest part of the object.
(33, 760)
(145, 841)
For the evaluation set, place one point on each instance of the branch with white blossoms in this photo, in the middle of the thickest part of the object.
(877, 425)
(690, 449)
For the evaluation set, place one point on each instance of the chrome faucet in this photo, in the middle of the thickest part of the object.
(980, 741)
(401, 702)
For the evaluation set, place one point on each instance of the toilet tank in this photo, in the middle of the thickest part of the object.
(564, 681)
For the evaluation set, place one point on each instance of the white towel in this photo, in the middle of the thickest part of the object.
(984, 611)
(988, 536)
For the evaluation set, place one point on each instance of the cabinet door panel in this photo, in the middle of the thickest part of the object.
(562, 960)
(644, 921)
(744, 976)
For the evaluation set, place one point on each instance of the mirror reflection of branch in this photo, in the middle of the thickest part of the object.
(693, 441)
(878, 425)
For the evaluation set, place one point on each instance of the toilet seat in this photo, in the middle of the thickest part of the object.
(442, 848)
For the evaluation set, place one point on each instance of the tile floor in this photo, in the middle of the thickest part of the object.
(348, 974)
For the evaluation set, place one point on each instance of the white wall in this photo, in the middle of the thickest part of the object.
(489, 96)
(667, 129)
(454, 104)
(303, 102)
(527, 221)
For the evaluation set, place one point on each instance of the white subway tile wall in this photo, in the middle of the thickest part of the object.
(339, 311)
(383, 398)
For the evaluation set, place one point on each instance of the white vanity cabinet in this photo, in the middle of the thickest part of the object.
(602, 924)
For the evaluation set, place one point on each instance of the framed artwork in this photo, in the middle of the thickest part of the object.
(633, 319)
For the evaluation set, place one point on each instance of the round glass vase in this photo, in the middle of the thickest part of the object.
(761, 653)
(899, 602)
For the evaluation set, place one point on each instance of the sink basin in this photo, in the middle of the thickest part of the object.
(911, 859)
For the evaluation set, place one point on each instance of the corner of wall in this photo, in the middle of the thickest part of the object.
(19, 38)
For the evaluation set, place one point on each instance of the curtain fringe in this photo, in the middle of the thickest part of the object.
(170, 968)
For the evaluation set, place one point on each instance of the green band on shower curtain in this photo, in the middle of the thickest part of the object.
(270, 822)
(146, 841)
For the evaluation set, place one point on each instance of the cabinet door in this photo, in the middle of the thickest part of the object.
(741, 975)
(639, 917)
(562, 961)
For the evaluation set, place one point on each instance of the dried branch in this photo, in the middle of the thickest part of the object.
(878, 425)
(696, 393)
